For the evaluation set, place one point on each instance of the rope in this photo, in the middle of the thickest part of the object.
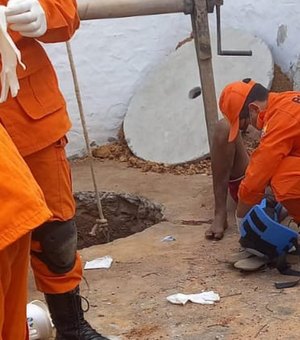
(101, 222)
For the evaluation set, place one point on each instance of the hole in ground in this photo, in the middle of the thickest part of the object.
(127, 214)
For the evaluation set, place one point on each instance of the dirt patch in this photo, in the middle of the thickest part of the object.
(126, 215)
(129, 300)
(119, 150)
(281, 81)
(143, 332)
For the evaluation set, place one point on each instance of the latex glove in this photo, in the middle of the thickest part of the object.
(26, 17)
(10, 56)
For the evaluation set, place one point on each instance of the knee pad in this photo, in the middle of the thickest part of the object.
(262, 234)
(58, 242)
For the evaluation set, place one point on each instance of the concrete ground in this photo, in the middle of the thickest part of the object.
(128, 300)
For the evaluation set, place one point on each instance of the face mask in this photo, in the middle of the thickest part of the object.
(260, 119)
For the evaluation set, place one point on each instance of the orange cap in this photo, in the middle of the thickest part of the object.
(231, 102)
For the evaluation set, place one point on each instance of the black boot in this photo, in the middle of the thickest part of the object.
(67, 315)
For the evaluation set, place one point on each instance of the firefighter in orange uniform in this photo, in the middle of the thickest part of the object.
(37, 122)
(22, 209)
(276, 161)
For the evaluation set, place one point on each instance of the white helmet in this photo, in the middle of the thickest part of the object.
(39, 321)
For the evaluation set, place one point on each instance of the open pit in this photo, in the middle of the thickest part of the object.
(126, 214)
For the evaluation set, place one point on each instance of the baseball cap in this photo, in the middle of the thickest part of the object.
(232, 100)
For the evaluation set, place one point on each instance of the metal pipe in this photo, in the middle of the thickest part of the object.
(105, 9)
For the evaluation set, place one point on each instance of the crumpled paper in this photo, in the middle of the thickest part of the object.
(204, 298)
(99, 263)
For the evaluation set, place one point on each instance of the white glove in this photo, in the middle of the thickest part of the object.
(26, 17)
(10, 56)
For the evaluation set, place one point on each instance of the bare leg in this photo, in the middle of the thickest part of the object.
(229, 161)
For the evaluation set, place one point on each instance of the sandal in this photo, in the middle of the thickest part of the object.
(251, 264)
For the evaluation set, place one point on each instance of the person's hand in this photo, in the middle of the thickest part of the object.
(26, 17)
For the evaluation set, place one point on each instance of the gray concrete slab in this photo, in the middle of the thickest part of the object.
(163, 124)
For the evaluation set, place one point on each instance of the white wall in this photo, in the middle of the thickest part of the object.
(113, 57)
(275, 21)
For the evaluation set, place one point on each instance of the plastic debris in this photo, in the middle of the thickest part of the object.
(99, 263)
(168, 239)
(204, 298)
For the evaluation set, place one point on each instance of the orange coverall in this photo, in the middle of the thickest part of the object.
(37, 122)
(22, 209)
(276, 161)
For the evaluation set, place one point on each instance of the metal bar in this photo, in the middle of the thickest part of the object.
(204, 56)
(212, 3)
(105, 9)
(219, 40)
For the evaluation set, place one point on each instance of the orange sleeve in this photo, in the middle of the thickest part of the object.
(23, 207)
(276, 143)
(62, 20)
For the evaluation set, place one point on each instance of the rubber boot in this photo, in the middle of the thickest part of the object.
(67, 315)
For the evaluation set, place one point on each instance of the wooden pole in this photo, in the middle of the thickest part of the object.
(204, 55)
(104, 9)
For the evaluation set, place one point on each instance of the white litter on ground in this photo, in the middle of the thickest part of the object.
(168, 239)
(204, 298)
(99, 263)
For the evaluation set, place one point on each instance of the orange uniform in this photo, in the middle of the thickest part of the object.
(23, 208)
(37, 117)
(276, 161)
(37, 122)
